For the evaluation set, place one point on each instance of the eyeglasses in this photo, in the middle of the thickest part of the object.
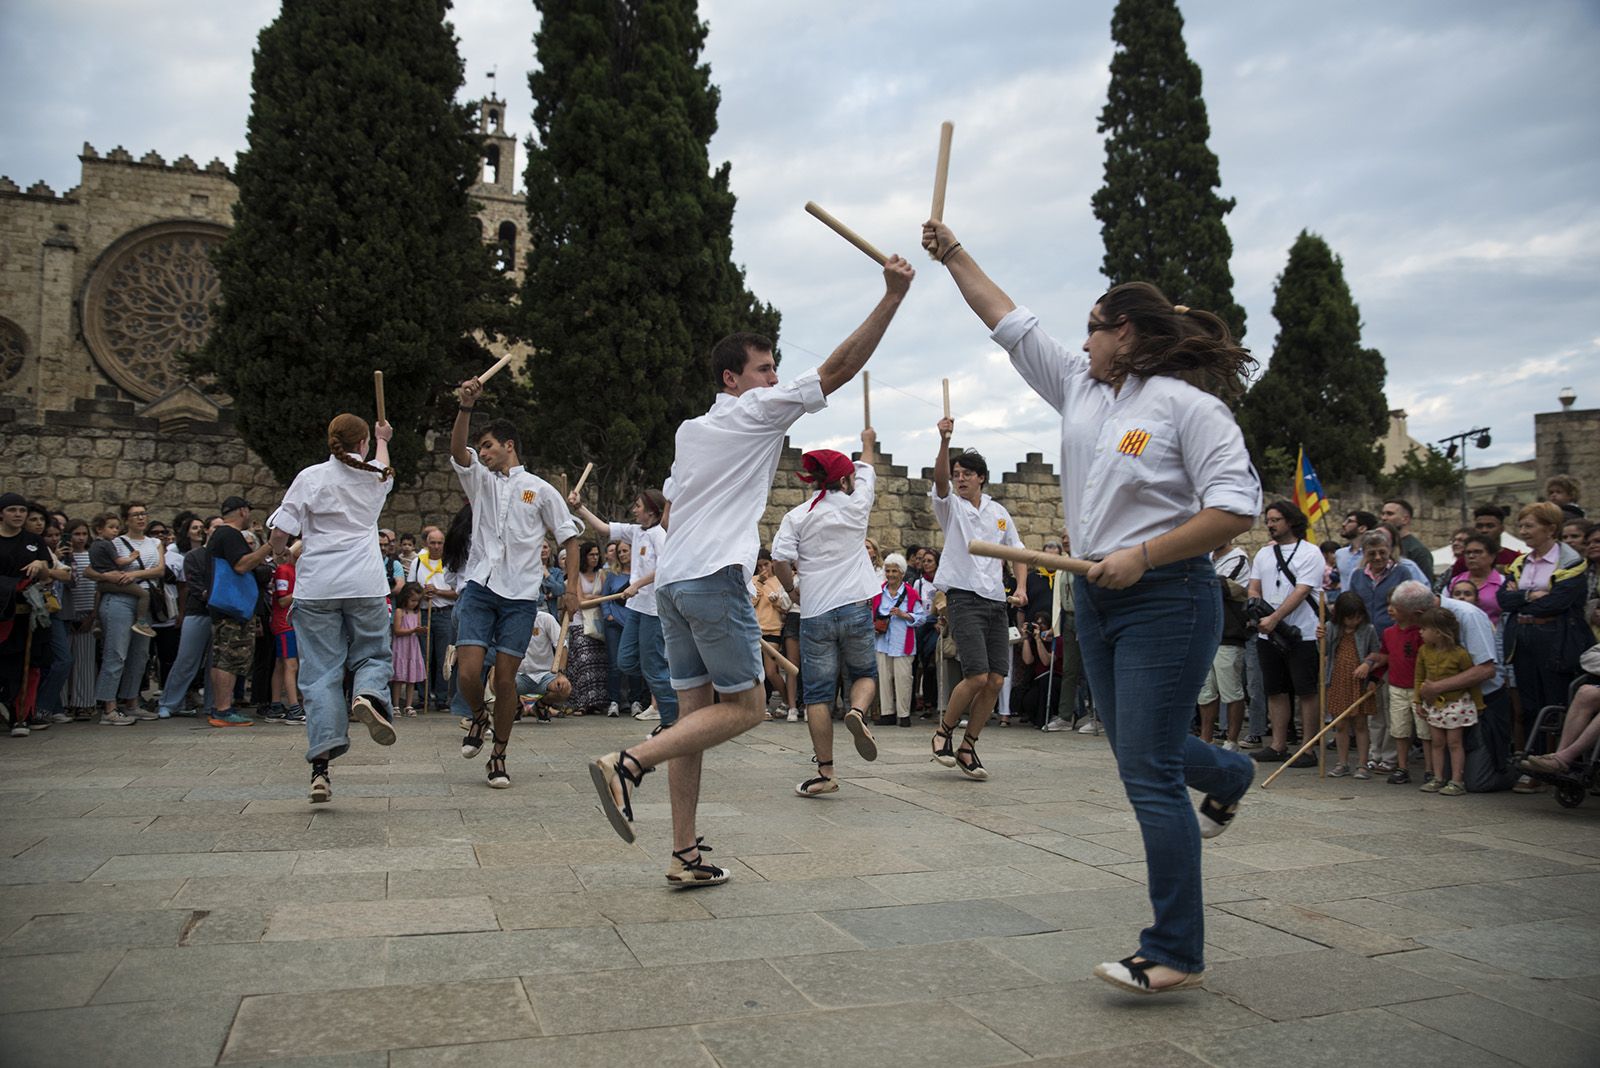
(1096, 325)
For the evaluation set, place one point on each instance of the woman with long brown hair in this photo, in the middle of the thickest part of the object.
(340, 618)
(1154, 475)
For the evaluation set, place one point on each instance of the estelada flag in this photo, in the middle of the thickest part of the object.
(1308, 489)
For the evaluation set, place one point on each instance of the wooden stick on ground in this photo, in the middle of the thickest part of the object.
(946, 383)
(583, 478)
(845, 232)
(941, 171)
(377, 388)
(1317, 738)
(778, 658)
(1031, 557)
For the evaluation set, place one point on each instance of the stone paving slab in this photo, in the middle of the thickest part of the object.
(196, 910)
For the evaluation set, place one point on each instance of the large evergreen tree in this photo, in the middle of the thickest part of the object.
(1161, 218)
(630, 276)
(355, 246)
(1322, 389)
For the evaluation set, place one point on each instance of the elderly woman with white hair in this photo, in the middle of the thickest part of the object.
(897, 611)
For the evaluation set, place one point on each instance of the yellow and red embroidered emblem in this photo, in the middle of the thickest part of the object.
(1001, 523)
(527, 496)
(1133, 442)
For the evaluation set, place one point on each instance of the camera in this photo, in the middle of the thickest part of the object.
(1284, 636)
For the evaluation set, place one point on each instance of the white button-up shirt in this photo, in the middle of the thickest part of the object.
(644, 557)
(334, 509)
(511, 515)
(829, 544)
(961, 523)
(1136, 463)
(722, 475)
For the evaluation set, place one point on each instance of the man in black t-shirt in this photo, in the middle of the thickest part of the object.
(23, 560)
(232, 639)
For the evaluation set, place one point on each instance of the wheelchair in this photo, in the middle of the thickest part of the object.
(1583, 777)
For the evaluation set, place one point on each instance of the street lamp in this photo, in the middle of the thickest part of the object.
(1457, 450)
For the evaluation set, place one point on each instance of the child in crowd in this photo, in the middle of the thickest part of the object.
(1449, 711)
(105, 559)
(1351, 640)
(285, 706)
(1464, 590)
(408, 665)
(1398, 657)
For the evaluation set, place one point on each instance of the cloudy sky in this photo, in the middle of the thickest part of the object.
(1448, 150)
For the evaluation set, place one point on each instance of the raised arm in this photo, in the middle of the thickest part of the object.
(380, 450)
(981, 294)
(852, 354)
(869, 447)
(471, 390)
(595, 523)
(941, 463)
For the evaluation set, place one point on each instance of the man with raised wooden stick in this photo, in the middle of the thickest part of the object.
(722, 472)
(825, 537)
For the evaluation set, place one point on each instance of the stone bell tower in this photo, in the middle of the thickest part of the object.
(503, 212)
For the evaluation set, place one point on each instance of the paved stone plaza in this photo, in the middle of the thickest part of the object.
(173, 900)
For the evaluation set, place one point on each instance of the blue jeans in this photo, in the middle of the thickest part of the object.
(622, 683)
(840, 639)
(709, 627)
(649, 658)
(53, 684)
(1255, 687)
(500, 624)
(194, 655)
(442, 683)
(335, 634)
(122, 652)
(1146, 650)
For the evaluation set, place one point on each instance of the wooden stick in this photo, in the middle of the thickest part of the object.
(845, 232)
(1322, 681)
(377, 386)
(941, 172)
(866, 400)
(1031, 557)
(427, 650)
(778, 658)
(1317, 737)
(499, 365)
(598, 601)
(946, 398)
(560, 663)
(583, 478)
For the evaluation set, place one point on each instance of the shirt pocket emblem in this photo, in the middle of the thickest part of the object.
(1133, 442)
(527, 496)
(1000, 524)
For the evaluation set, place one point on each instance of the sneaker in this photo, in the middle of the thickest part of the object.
(230, 718)
(1090, 726)
(321, 783)
(1055, 723)
(19, 730)
(294, 715)
(367, 710)
(1428, 777)
(1399, 777)
(141, 713)
(115, 719)
(1215, 817)
(613, 710)
(1382, 767)
(144, 630)
(1338, 771)
(186, 713)
(1452, 789)
(647, 714)
(634, 709)
(1251, 741)
(1230, 746)
(162, 713)
(60, 717)
(794, 717)
(1361, 772)
(1432, 786)
(1527, 785)
(274, 713)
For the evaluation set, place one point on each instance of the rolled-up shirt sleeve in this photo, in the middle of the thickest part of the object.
(1216, 460)
(471, 474)
(781, 406)
(1041, 360)
(290, 515)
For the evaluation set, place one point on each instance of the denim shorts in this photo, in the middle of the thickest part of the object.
(711, 634)
(486, 619)
(283, 641)
(839, 638)
(982, 633)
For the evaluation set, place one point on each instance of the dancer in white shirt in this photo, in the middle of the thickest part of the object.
(974, 589)
(341, 622)
(1154, 475)
(826, 538)
(512, 511)
(721, 475)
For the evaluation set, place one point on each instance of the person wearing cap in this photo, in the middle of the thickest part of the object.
(826, 538)
(340, 615)
(976, 599)
(722, 473)
(1154, 475)
(233, 640)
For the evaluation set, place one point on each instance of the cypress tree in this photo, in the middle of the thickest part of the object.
(354, 246)
(1161, 219)
(1322, 389)
(630, 277)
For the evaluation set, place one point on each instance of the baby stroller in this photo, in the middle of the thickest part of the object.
(1582, 777)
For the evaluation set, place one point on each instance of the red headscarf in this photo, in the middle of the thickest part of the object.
(823, 466)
